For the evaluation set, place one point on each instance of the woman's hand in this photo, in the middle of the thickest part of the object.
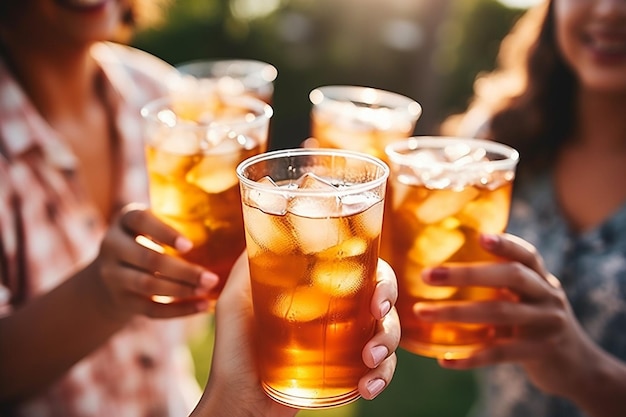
(132, 273)
(547, 341)
(234, 388)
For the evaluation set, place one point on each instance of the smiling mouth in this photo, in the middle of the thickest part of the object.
(607, 43)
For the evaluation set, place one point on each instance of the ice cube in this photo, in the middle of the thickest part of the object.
(318, 206)
(444, 203)
(177, 199)
(369, 222)
(195, 231)
(353, 246)
(167, 165)
(317, 234)
(435, 245)
(488, 214)
(338, 279)
(215, 174)
(416, 286)
(303, 304)
(267, 201)
(268, 231)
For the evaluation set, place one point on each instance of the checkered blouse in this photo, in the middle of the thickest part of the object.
(48, 231)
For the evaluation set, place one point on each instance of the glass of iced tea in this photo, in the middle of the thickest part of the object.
(313, 220)
(228, 77)
(361, 118)
(446, 191)
(193, 147)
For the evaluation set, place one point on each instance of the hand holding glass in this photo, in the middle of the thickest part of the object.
(446, 192)
(313, 219)
(192, 151)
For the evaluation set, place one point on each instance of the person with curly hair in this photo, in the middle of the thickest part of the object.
(558, 95)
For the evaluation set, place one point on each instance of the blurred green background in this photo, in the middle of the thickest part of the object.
(429, 50)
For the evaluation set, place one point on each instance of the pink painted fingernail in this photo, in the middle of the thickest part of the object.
(375, 386)
(385, 307)
(182, 244)
(208, 279)
(379, 353)
(439, 274)
(489, 241)
(202, 305)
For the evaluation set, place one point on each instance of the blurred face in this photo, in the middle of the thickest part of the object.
(591, 35)
(61, 22)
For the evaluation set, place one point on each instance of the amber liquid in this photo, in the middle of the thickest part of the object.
(357, 136)
(312, 282)
(441, 227)
(199, 196)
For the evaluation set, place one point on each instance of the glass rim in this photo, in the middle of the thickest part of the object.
(336, 93)
(299, 152)
(268, 72)
(262, 111)
(397, 151)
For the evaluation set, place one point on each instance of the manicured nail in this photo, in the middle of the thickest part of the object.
(439, 274)
(423, 310)
(208, 280)
(489, 241)
(182, 244)
(385, 307)
(375, 386)
(378, 354)
(202, 306)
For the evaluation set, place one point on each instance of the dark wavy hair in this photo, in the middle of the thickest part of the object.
(528, 101)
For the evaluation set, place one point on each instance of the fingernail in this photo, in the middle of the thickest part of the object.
(375, 386)
(423, 310)
(182, 244)
(438, 274)
(489, 241)
(379, 353)
(202, 306)
(385, 307)
(208, 279)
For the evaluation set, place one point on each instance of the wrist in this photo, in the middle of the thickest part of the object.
(103, 302)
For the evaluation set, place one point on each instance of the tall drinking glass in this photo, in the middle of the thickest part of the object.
(192, 151)
(360, 118)
(446, 192)
(313, 219)
(229, 77)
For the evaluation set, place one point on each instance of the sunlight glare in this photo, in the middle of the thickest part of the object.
(520, 4)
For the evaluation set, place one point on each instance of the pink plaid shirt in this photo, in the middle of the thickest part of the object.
(48, 231)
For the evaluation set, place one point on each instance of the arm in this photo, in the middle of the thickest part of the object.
(549, 343)
(44, 338)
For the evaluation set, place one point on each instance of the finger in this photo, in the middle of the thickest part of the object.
(384, 342)
(492, 312)
(310, 143)
(377, 379)
(515, 276)
(140, 257)
(386, 292)
(144, 222)
(515, 248)
(146, 284)
(172, 310)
